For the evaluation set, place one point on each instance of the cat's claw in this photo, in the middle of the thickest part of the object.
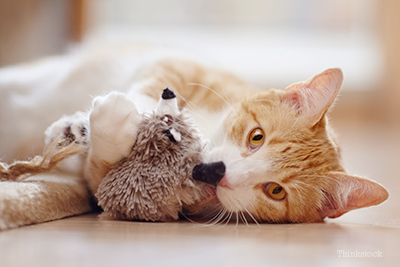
(113, 126)
(68, 129)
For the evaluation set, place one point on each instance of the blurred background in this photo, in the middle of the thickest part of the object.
(267, 42)
(271, 43)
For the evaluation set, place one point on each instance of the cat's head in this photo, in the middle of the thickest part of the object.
(279, 160)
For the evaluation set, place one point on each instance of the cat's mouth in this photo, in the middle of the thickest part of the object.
(212, 191)
(212, 174)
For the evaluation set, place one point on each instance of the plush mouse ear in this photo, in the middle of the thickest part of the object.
(313, 97)
(168, 103)
(349, 192)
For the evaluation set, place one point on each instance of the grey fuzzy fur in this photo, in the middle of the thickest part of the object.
(155, 181)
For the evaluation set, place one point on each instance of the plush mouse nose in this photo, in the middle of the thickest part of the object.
(210, 173)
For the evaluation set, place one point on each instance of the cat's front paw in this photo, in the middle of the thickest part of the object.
(68, 129)
(113, 126)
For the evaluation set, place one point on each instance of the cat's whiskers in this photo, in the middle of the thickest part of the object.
(244, 218)
(300, 197)
(299, 193)
(240, 214)
(211, 221)
(305, 184)
(341, 202)
(193, 108)
(229, 105)
(226, 95)
(228, 218)
(218, 217)
(313, 175)
(237, 219)
(251, 216)
(170, 86)
(190, 104)
(221, 217)
(190, 220)
(224, 216)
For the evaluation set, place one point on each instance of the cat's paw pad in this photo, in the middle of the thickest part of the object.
(68, 129)
(113, 126)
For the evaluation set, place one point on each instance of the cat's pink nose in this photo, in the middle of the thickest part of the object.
(224, 183)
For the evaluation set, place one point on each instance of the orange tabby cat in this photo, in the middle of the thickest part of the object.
(278, 158)
(282, 163)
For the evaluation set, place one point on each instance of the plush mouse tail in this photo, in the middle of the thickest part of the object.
(19, 170)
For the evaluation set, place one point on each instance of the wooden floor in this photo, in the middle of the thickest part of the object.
(369, 149)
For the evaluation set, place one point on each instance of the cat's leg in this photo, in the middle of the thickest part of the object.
(41, 198)
(113, 129)
(51, 195)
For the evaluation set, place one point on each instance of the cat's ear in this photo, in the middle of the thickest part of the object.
(347, 192)
(313, 97)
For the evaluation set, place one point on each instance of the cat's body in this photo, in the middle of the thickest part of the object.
(282, 164)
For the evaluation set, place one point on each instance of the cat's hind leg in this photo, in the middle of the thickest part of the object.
(42, 197)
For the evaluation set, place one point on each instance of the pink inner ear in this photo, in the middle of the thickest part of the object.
(351, 192)
(295, 100)
(313, 97)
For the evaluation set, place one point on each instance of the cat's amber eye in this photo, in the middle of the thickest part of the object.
(275, 191)
(256, 138)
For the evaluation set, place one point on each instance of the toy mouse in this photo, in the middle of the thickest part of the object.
(154, 183)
